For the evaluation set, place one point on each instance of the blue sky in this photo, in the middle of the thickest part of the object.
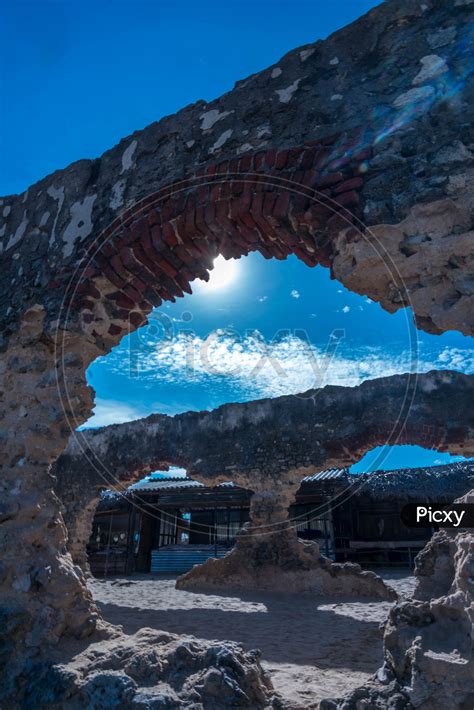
(262, 329)
(77, 77)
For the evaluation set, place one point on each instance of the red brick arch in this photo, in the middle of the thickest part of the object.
(275, 202)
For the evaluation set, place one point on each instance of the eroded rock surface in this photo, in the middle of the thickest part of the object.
(425, 262)
(389, 102)
(277, 439)
(280, 562)
(428, 640)
(150, 670)
(252, 444)
(269, 556)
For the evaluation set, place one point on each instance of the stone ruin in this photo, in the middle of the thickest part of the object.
(252, 444)
(356, 153)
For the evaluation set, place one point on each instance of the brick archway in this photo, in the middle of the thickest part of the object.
(292, 201)
(278, 202)
(149, 254)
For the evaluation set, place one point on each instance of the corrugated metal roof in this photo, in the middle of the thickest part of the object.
(451, 480)
(166, 484)
(181, 483)
(330, 475)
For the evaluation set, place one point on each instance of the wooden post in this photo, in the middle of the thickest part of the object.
(326, 536)
(106, 566)
(130, 531)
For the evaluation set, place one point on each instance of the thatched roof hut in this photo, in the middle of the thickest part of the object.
(435, 483)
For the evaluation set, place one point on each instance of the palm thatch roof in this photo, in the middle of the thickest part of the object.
(435, 483)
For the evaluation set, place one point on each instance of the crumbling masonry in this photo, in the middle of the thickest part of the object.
(355, 153)
(253, 444)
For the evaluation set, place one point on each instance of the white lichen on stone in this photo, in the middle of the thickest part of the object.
(334, 61)
(80, 225)
(44, 219)
(414, 96)
(127, 157)
(276, 72)
(210, 118)
(223, 138)
(57, 193)
(305, 53)
(264, 131)
(431, 66)
(189, 144)
(6, 210)
(19, 232)
(244, 148)
(116, 199)
(285, 95)
(336, 97)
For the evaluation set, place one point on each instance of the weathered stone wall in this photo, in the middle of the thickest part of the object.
(253, 445)
(394, 90)
(428, 641)
(252, 441)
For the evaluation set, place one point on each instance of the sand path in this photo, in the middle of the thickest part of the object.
(313, 647)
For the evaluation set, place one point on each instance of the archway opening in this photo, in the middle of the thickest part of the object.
(113, 298)
(202, 347)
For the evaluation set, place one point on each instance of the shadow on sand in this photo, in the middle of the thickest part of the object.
(303, 630)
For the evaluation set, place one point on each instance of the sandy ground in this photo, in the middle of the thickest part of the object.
(312, 647)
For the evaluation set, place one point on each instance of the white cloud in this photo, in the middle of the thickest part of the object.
(456, 359)
(247, 367)
(295, 293)
(110, 411)
(263, 298)
(346, 309)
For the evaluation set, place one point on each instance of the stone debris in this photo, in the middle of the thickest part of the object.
(428, 641)
(281, 563)
(153, 670)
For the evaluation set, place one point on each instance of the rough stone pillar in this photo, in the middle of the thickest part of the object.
(79, 520)
(42, 593)
(428, 639)
(269, 540)
(269, 556)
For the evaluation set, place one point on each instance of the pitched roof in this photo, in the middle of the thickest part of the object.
(172, 483)
(432, 483)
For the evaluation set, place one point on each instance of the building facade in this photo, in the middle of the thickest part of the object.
(166, 524)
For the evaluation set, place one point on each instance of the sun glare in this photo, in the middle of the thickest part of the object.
(222, 275)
